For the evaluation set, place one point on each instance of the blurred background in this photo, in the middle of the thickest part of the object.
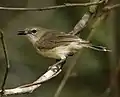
(92, 73)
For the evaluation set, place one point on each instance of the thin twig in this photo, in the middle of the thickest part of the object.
(111, 7)
(6, 62)
(51, 7)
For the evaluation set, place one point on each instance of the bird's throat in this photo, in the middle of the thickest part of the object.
(32, 38)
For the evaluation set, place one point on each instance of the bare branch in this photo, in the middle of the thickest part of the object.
(6, 61)
(52, 71)
(81, 24)
(86, 18)
(51, 7)
(56, 68)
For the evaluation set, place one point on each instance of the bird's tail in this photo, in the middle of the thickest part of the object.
(98, 48)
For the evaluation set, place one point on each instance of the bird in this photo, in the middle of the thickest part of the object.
(56, 44)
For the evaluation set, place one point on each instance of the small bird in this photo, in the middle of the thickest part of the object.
(55, 44)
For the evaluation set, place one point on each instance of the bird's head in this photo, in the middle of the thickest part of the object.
(32, 33)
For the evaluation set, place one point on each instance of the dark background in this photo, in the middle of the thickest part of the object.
(91, 75)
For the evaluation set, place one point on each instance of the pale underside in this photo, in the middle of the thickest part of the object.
(60, 52)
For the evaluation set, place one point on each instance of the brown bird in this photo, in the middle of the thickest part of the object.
(55, 44)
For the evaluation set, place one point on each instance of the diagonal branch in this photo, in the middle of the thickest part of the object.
(86, 18)
(81, 24)
(52, 71)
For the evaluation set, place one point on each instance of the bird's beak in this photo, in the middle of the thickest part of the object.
(21, 32)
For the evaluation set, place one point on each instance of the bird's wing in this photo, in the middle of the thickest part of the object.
(54, 39)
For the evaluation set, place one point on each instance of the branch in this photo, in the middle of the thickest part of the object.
(86, 18)
(52, 71)
(109, 8)
(6, 61)
(81, 24)
(51, 7)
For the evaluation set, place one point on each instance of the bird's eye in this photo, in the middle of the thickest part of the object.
(34, 31)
